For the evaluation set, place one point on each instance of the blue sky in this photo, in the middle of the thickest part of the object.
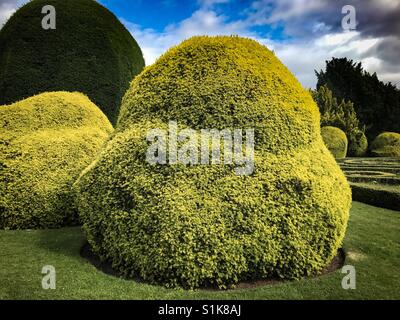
(303, 33)
(158, 15)
(163, 13)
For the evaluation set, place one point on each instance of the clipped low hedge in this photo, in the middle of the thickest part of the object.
(358, 145)
(384, 196)
(387, 144)
(90, 51)
(335, 140)
(375, 181)
(203, 225)
(45, 142)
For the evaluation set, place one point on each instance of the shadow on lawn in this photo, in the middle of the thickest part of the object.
(106, 267)
(65, 241)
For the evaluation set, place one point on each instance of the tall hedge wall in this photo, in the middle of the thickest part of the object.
(90, 51)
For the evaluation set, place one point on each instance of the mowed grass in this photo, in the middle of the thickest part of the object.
(372, 244)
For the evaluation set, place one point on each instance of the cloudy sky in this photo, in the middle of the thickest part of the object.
(303, 33)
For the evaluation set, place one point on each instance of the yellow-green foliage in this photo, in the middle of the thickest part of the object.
(45, 142)
(387, 144)
(198, 225)
(335, 140)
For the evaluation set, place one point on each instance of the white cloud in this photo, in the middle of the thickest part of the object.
(388, 4)
(271, 11)
(7, 8)
(336, 39)
(302, 56)
(202, 22)
(5, 12)
(205, 22)
(210, 3)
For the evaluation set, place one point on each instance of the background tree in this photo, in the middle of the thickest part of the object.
(377, 104)
(341, 115)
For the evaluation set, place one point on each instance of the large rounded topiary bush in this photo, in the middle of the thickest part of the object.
(387, 144)
(335, 140)
(204, 224)
(90, 51)
(45, 142)
(358, 144)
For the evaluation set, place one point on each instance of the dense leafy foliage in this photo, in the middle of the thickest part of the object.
(90, 51)
(45, 142)
(342, 116)
(203, 224)
(377, 104)
(358, 144)
(387, 144)
(336, 141)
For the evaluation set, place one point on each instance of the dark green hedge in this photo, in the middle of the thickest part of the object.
(377, 195)
(45, 142)
(358, 144)
(199, 225)
(90, 51)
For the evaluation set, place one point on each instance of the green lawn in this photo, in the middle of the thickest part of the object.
(372, 244)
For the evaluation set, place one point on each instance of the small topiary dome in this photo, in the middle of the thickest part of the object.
(387, 144)
(90, 51)
(358, 144)
(335, 140)
(45, 142)
(204, 224)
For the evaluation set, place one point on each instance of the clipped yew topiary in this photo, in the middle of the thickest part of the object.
(202, 225)
(335, 140)
(358, 144)
(387, 144)
(90, 51)
(45, 142)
